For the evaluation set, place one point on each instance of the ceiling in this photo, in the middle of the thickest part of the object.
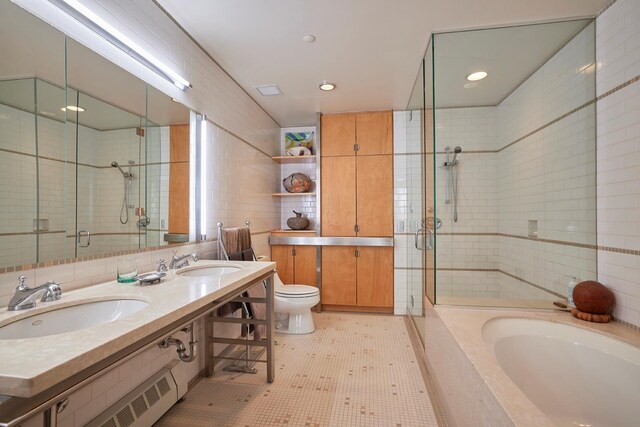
(370, 48)
(509, 55)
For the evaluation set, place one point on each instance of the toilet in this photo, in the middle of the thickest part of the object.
(293, 307)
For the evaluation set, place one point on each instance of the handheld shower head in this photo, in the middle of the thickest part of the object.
(116, 165)
(456, 151)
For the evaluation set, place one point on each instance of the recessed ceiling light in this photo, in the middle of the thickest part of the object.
(73, 108)
(478, 75)
(470, 85)
(327, 86)
(309, 38)
(269, 90)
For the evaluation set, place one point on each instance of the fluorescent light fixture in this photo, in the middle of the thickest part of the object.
(478, 75)
(327, 86)
(84, 15)
(203, 175)
(73, 108)
(269, 90)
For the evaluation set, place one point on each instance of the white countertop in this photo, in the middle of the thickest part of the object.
(29, 366)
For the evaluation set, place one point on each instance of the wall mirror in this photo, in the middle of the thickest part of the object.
(92, 159)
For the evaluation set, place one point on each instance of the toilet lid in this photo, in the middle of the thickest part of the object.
(297, 291)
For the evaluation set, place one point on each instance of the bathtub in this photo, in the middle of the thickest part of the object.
(496, 367)
(575, 376)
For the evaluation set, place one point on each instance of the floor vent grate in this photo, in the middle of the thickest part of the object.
(163, 386)
(125, 417)
(152, 395)
(139, 406)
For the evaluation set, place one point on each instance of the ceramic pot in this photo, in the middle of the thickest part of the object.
(297, 183)
(298, 222)
(593, 297)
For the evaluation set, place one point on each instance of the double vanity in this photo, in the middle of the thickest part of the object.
(53, 348)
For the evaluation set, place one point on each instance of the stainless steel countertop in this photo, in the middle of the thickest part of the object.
(332, 241)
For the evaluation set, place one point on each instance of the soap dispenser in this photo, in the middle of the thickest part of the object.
(571, 285)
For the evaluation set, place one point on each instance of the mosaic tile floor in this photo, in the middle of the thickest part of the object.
(355, 370)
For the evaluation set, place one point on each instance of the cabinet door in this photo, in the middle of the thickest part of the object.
(338, 275)
(305, 265)
(375, 277)
(338, 196)
(338, 133)
(374, 133)
(283, 257)
(375, 195)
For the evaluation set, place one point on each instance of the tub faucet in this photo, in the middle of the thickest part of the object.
(181, 261)
(25, 297)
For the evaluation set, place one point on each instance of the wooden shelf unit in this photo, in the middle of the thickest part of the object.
(295, 159)
(292, 194)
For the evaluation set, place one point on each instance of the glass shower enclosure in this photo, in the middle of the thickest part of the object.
(501, 184)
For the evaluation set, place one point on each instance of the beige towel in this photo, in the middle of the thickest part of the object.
(231, 239)
(259, 310)
(236, 240)
(244, 239)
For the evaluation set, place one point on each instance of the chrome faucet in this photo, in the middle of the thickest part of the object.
(25, 297)
(162, 266)
(181, 261)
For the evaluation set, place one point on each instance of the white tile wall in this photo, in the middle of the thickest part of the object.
(618, 120)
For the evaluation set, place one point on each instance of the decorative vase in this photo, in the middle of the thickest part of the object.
(297, 183)
(298, 222)
(593, 297)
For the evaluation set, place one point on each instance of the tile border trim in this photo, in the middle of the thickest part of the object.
(52, 263)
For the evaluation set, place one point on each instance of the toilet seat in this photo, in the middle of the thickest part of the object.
(297, 291)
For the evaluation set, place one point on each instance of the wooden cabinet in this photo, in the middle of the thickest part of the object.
(375, 277)
(374, 203)
(338, 134)
(338, 196)
(339, 275)
(357, 278)
(295, 264)
(356, 178)
(357, 186)
(372, 133)
(179, 179)
(357, 196)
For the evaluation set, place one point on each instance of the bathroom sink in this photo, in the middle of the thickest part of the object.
(71, 318)
(209, 270)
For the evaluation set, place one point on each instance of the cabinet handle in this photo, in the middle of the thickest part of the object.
(293, 252)
(356, 228)
(80, 235)
(356, 147)
(356, 253)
